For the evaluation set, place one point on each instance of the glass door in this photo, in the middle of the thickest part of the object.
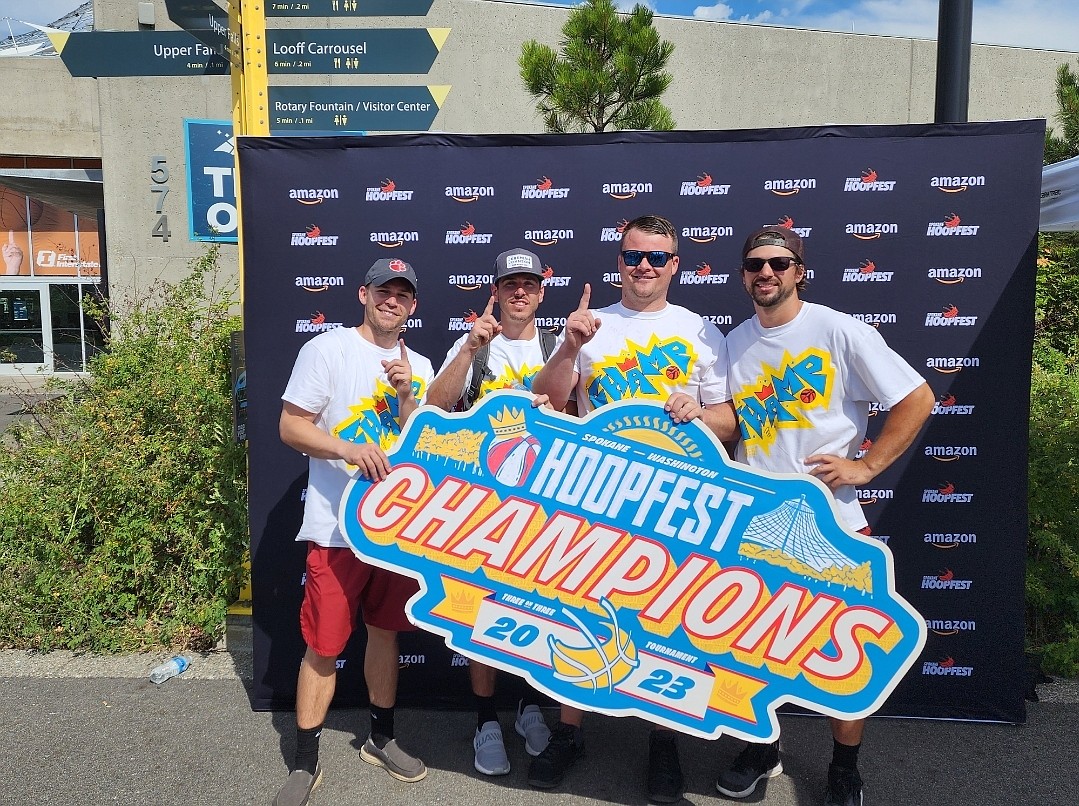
(24, 341)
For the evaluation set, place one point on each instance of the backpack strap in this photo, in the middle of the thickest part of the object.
(547, 343)
(480, 373)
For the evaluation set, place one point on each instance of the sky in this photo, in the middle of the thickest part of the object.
(1048, 24)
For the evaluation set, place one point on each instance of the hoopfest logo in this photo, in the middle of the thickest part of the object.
(946, 668)
(781, 396)
(313, 236)
(956, 184)
(621, 564)
(868, 181)
(316, 323)
(789, 187)
(702, 275)
(949, 317)
(551, 279)
(788, 222)
(312, 196)
(543, 189)
(951, 225)
(469, 193)
(703, 186)
(608, 234)
(624, 191)
(866, 272)
(945, 581)
(459, 323)
(467, 235)
(946, 405)
(387, 191)
(945, 494)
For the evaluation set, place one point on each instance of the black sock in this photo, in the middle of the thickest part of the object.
(381, 724)
(485, 710)
(845, 755)
(307, 749)
(531, 697)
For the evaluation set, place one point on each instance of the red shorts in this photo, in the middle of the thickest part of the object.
(866, 530)
(338, 585)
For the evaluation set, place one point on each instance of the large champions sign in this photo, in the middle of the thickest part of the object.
(622, 564)
(926, 232)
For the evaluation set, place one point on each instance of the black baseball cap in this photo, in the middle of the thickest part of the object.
(517, 261)
(386, 269)
(776, 235)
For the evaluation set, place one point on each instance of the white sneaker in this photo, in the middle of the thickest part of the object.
(531, 725)
(491, 758)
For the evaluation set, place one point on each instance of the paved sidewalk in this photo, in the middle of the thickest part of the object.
(82, 730)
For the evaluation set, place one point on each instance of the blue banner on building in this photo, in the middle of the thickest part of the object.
(211, 189)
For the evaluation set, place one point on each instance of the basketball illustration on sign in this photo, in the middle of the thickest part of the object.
(600, 663)
(513, 451)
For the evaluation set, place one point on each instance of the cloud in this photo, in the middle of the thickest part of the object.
(723, 12)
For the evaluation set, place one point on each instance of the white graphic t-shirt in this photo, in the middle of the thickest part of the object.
(805, 387)
(338, 375)
(513, 363)
(650, 355)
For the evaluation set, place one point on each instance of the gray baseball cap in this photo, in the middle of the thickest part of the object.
(386, 269)
(517, 261)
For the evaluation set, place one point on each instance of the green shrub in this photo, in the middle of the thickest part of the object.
(123, 520)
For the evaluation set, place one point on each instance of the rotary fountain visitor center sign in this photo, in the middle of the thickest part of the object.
(622, 564)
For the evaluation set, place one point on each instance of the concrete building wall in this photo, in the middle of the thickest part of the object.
(726, 76)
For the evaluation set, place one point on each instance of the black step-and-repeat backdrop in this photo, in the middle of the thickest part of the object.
(927, 232)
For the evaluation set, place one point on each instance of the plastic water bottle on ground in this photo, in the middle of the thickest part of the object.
(169, 669)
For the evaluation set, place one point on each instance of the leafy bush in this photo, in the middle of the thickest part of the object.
(1052, 581)
(123, 520)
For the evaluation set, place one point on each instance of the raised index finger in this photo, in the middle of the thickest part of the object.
(490, 309)
(11, 236)
(586, 295)
(404, 354)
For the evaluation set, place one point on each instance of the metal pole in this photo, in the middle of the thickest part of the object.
(953, 61)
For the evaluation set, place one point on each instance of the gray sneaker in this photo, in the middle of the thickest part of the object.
(298, 787)
(394, 760)
(491, 758)
(531, 725)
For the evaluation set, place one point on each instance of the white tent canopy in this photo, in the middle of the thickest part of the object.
(1060, 196)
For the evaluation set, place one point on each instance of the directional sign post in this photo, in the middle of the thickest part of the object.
(339, 110)
(375, 50)
(347, 8)
(102, 54)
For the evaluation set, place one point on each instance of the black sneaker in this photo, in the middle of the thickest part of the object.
(549, 767)
(844, 787)
(665, 781)
(755, 763)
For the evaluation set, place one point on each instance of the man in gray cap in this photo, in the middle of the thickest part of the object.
(494, 355)
(351, 390)
(820, 433)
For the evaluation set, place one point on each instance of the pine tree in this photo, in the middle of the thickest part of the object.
(1066, 145)
(609, 74)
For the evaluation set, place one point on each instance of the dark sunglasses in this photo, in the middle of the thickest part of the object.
(781, 263)
(656, 259)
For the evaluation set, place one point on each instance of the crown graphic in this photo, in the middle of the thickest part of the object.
(731, 692)
(386, 440)
(508, 423)
(463, 602)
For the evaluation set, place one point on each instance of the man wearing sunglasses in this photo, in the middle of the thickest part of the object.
(599, 356)
(816, 430)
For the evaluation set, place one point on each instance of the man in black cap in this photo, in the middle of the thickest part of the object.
(808, 431)
(494, 355)
(350, 392)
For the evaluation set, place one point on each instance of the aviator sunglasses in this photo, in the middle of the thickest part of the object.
(781, 263)
(656, 259)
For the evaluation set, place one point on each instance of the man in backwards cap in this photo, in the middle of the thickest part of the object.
(823, 440)
(350, 392)
(494, 355)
